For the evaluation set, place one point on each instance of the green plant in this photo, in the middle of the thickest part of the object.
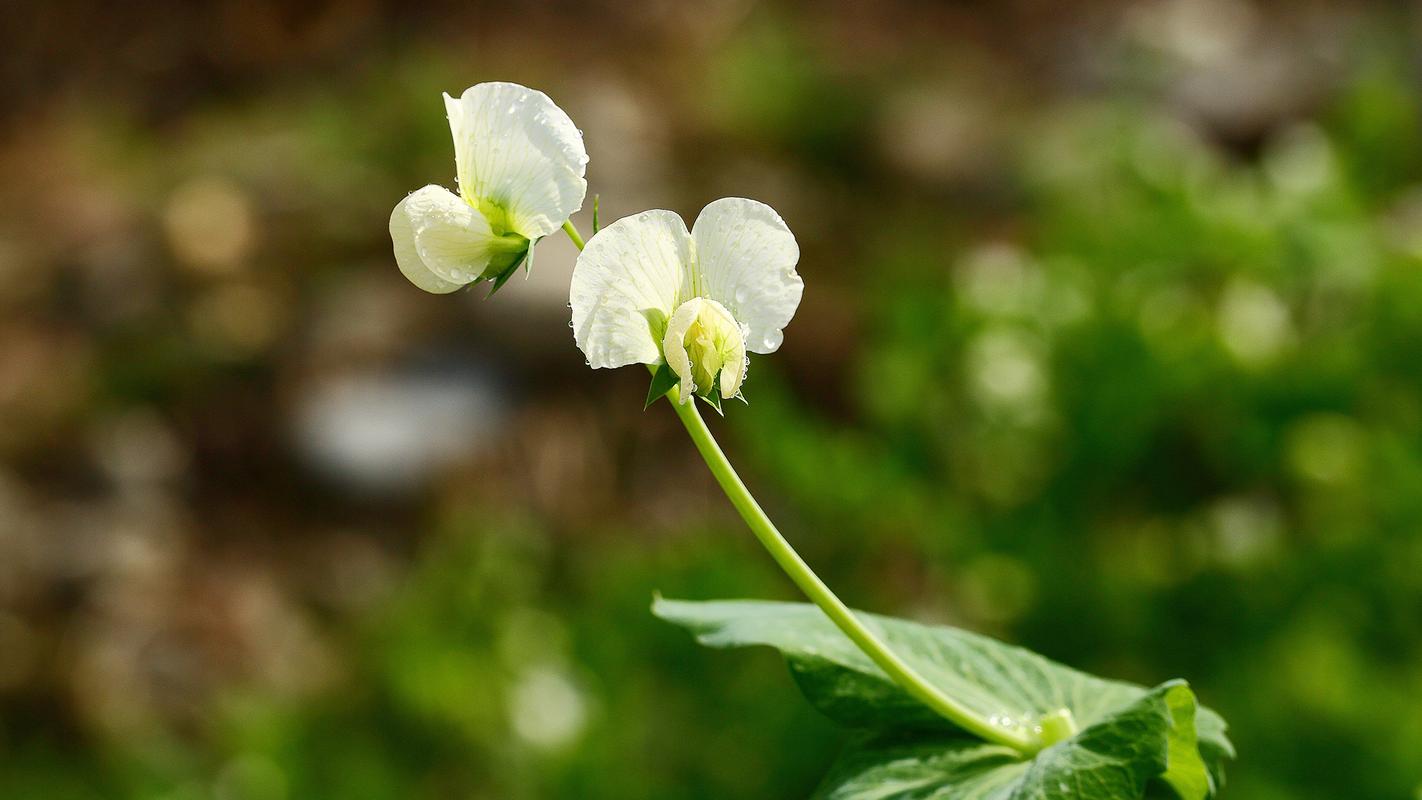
(943, 712)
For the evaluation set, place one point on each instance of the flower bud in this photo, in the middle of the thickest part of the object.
(703, 341)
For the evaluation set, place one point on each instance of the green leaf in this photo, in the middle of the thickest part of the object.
(1118, 757)
(1128, 736)
(1186, 771)
(662, 382)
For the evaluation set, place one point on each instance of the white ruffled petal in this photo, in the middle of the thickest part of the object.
(746, 258)
(625, 282)
(674, 346)
(407, 256)
(734, 364)
(452, 239)
(517, 150)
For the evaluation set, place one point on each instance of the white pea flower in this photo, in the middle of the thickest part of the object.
(645, 291)
(520, 163)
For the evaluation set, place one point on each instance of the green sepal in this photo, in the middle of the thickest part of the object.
(663, 380)
(525, 258)
(713, 399)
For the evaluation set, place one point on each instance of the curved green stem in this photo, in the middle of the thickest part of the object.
(1020, 739)
(784, 554)
(572, 231)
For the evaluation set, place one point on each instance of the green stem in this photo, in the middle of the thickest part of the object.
(1019, 738)
(572, 231)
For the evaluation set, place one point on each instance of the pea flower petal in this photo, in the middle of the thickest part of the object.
(646, 291)
(452, 239)
(407, 254)
(626, 283)
(747, 256)
(514, 149)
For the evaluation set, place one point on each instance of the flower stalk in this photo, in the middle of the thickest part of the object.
(1018, 738)
(572, 231)
(1022, 738)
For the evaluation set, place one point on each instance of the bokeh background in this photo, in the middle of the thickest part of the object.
(1111, 346)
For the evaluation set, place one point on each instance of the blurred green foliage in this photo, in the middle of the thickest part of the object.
(488, 675)
(1174, 428)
